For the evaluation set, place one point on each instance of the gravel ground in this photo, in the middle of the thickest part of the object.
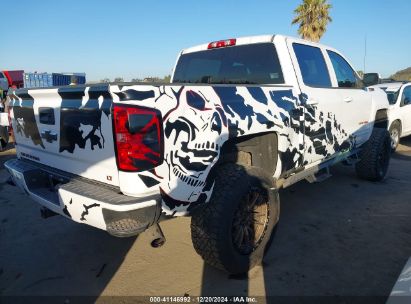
(341, 237)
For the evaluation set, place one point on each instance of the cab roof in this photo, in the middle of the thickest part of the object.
(250, 40)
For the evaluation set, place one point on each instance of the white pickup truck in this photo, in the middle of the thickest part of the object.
(399, 114)
(240, 119)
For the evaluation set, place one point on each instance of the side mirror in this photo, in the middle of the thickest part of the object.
(370, 79)
(407, 101)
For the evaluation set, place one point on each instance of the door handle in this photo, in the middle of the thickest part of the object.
(46, 116)
(348, 99)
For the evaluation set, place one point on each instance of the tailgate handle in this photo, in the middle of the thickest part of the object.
(46, 116)
(49, 136)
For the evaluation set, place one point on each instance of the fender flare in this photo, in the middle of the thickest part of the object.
(258, 150)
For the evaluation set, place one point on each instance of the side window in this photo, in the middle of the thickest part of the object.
(345, 74)
(312, 65)
(406, 96)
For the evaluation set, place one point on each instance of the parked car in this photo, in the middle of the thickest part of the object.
(241, 119)
(4, 85)
(399, 97)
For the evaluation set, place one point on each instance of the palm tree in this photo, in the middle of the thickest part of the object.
(313, 17)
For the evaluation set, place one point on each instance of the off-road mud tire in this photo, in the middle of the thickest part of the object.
(212, 225)
(375, 156)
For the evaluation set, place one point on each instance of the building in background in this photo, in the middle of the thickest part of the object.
(43, 80)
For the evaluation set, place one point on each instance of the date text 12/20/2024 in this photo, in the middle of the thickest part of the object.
(188, 299)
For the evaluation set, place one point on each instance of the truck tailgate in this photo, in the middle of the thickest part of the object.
(68, 128)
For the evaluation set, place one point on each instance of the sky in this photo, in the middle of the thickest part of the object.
(136, 39)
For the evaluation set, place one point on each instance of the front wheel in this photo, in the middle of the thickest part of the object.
(375, 156)
(233, 231)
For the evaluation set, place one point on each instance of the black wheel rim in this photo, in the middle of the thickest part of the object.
(250, 222)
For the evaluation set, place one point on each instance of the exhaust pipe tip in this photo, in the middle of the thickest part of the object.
(158, 242)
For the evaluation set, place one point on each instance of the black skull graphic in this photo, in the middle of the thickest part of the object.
(192, 155)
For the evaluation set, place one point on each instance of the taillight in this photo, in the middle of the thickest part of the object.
(138, 136)
(221, 43)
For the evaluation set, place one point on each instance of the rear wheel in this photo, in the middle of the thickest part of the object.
(375, 156)
(395, 134)
(233, 231)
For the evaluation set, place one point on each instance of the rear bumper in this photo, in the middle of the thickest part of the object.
(85, 201)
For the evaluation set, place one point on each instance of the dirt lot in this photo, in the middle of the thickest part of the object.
(342, 237)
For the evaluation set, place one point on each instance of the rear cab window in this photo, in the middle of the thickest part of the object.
(242, 64)
(312, 64)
